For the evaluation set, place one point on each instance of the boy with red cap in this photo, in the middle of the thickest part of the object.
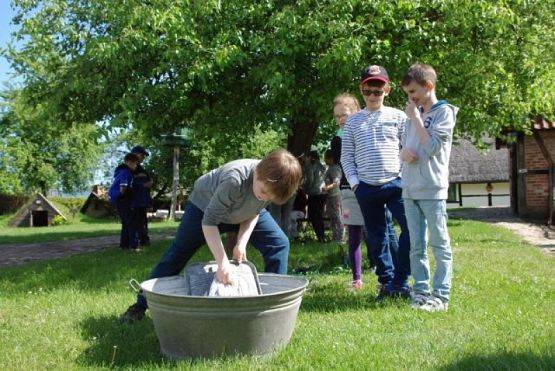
(370, 159)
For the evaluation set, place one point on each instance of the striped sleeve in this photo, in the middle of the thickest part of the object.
(348, 154)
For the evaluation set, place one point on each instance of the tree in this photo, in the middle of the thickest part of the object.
(38, 154)
(224, 68)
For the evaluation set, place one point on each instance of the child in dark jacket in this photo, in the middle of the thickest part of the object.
(121, 196)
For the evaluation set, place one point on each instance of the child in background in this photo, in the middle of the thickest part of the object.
(313, 184)
(121, 196)
(332, 178)
(426, 151)
(142, 184)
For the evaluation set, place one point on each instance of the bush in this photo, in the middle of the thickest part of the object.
(73, 204)
(58, 220)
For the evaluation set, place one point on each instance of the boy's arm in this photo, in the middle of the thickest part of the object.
(125, 179)
(438, 133)
(215, 213)
(214, 242)
(407, 155)
(432, 138)
(348, 156)
(243, 236)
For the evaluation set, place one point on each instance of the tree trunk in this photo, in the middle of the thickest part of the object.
(301, 137)
(175, 183)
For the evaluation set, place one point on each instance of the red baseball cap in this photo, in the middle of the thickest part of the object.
(374, 72)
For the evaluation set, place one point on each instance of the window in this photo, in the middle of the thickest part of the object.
(452, 193)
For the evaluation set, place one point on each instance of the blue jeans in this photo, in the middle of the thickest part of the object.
(392, 241)
(266, 237)
(432, 213)
(392, 264)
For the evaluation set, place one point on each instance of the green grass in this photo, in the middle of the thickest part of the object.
(62, 314)
(81, 226)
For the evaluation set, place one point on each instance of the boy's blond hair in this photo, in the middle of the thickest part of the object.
(281, 174)
(348, 99)
(421, 74)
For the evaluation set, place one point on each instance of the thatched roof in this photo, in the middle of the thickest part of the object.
(23, 217)
(468, 165)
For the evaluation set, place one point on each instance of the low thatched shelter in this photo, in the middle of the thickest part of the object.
(97, 204)
(37, 212)
(469, 166)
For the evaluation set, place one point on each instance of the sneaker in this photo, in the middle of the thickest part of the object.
(356, 285)
(403, 292)
(419, 299)
(434, 304)
(133, 314)
(384, 291)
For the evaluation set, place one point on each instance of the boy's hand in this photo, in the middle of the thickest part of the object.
(222, 274)
(240, 253)
(412, 110)
(408, 156)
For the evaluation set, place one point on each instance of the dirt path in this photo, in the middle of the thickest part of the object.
(16, 254)
(21, 253)
(534, 234)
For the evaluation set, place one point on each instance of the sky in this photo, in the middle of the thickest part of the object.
(6, 14)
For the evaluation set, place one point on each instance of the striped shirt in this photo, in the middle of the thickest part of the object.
(370, 146)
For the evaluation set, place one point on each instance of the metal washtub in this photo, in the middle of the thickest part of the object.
(196, 326)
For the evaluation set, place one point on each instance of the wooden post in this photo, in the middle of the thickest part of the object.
(175, 182)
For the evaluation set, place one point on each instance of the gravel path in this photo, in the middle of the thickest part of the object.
(533, 233)
(16, 254)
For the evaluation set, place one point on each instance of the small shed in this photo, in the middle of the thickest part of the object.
(37, 212)
(97, 204)
(478, 178)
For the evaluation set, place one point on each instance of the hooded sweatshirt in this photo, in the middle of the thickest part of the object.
(427, 178)
(123, 176)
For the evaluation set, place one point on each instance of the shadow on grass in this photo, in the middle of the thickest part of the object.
(504, 361)
(114, 344)
(334, 297)
(89, 271)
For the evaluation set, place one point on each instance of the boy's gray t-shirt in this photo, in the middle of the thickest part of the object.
(333, 175)
(225, 194)
(428, 177)
(314, 178)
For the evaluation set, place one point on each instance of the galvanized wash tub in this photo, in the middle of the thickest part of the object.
(195, 326)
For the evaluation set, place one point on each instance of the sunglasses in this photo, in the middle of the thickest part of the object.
(377, 93)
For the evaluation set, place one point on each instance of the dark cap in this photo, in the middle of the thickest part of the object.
(374, 72)
(139, 150)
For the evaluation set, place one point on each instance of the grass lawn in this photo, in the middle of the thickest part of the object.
(81, 226)
(63, 314)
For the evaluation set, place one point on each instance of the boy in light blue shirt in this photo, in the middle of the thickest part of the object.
(425, 180)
